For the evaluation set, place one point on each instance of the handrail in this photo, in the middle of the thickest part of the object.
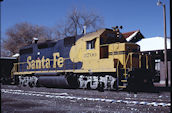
(140, 61)
(125, 64)
(73, 65)
(117, 71)
(117, 68)
(14, 69)
(147, 65)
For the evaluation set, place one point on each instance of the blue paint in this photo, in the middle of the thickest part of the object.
(48, 53)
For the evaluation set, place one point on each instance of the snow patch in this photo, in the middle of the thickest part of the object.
(154, 43)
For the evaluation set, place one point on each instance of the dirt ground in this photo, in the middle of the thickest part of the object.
(16, 99)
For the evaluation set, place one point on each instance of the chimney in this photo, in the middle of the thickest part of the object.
(84, 30)
(34, 40)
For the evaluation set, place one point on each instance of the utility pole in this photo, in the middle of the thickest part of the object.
(165, 42)
(0, 25)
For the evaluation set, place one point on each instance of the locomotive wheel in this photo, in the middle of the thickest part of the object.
(115, 85)
(24, 84)
(100, 87)
(31, 84)
(88, 85)
(20, 84)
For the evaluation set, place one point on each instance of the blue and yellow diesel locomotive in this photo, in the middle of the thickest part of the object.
(101, 59)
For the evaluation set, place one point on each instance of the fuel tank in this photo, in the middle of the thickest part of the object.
(61, 81)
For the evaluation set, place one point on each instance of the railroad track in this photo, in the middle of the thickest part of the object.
(67, 96)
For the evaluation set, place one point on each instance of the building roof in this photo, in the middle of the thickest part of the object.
(8, 58)
(16, 55)
(127, 34)
(154, 43)
(133, 36)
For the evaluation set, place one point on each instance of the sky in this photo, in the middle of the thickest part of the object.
(143, 15)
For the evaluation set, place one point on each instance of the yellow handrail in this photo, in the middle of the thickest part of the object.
(117, 73)
(125, 64)
(73, 65)
(14, 69)
(127, 60)
(147, 65)
(140, 60)
(117, 68)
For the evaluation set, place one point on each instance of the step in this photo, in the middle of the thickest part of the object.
(123, 80)
(122, 86)
(125, 75)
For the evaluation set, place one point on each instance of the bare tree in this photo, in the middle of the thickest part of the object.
(22, 34)
(76, 20)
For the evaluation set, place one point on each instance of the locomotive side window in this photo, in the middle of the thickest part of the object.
(46, 45)
(69, 41)
(42, 46)
(26, 51)
(91, 44)
(52, 44)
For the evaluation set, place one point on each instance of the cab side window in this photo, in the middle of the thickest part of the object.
(26, 51)
(91, 44)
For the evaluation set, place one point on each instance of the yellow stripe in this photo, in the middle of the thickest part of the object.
(122, 86)
(75, 71)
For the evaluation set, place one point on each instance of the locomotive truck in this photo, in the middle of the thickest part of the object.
(101, 59)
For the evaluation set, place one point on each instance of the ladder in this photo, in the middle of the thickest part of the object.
(122, 82)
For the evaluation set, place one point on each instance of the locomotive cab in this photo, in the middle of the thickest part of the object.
(101, 50)
(104, 52)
